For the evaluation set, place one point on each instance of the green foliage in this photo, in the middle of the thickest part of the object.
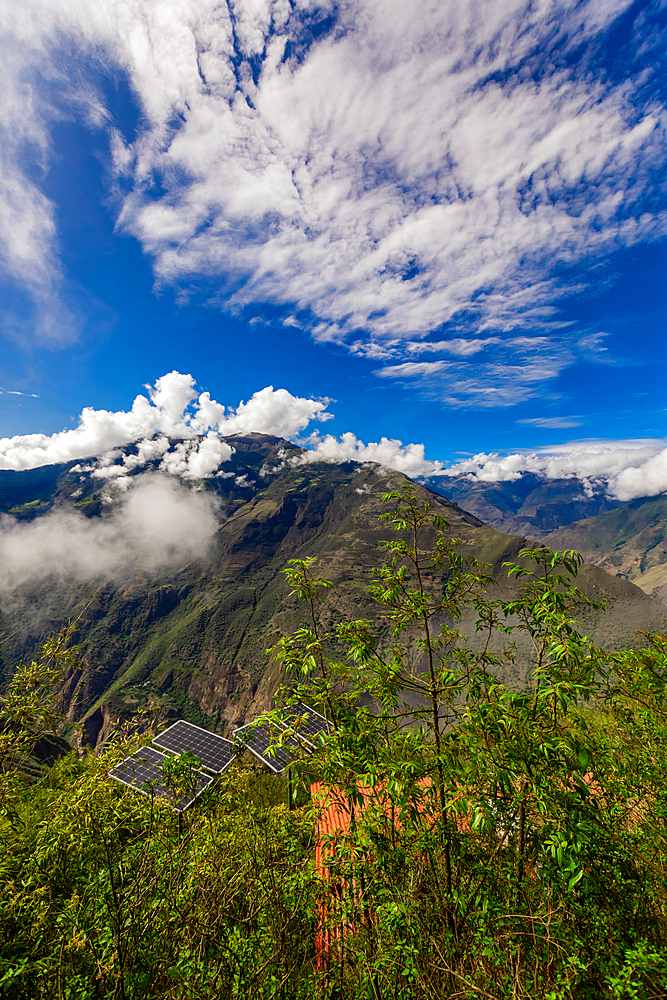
(499, 843)
(32, 710)
(517, 835)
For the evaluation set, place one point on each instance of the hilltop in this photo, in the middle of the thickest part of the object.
(191, 639)
(630, 542)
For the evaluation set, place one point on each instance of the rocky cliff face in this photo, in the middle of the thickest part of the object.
(191, 640)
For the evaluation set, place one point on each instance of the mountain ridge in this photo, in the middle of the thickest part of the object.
(191, 640)
(530, 505)
(630, 542)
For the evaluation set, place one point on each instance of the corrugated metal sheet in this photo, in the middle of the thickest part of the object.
(335, 814)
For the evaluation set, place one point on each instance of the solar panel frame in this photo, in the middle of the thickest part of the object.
(261, 741)
(144, 767)
(215, 752)
(306, 723)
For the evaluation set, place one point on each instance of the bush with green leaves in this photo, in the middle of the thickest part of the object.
(500, 843)
(503, 843)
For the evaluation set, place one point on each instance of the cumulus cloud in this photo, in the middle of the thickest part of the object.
(626, 469)
(157, 523)
(172, 409)
(384, 172)
(182, 431)
(388, 452)
(197, 462)
(274, 411)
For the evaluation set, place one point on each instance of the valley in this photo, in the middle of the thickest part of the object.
(190, 640)
(630, 542)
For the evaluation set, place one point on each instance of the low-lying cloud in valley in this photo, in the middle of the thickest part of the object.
(158, 523)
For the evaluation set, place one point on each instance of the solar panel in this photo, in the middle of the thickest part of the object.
(142, 771)
(306, 723)
(262, 739)
(214, 752)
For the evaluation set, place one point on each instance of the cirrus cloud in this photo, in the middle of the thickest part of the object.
(382, 173)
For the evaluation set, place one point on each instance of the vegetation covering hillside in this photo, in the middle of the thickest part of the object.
(530, 505)
(500, 844)
(630, 542)
(191, 640)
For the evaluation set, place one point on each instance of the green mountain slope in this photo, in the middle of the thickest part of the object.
(529, 505)
(193, 641)
(630, 542)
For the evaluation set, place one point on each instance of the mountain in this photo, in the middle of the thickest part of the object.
(630, 542)
(530, 505)
(30, 494)
(191, 639)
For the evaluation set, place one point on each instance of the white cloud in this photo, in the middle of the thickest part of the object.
(29, 247)
(642, 479)
(388, 452)
(512, 370)
(550, 423)
(274, 411)
(147, 451)
(173, 409)
(457, 346)
(415, 166)
(99, 431)
(197, 460)
(627, 469)
(411, 368)
(183, 431)
(156, 523)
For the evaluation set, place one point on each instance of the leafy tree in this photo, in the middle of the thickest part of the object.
(497, 801)
(32, 709)
(500, 843)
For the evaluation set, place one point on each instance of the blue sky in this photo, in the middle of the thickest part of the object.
(448, 219)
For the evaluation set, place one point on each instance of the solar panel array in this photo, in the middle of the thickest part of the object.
(268, 744)
(280, 745)
(306, 723)
(214, 752)
(276, 745)
(143, 770)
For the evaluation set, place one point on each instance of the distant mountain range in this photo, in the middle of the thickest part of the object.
(628, 540)
(529, 505)
(191, 639)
